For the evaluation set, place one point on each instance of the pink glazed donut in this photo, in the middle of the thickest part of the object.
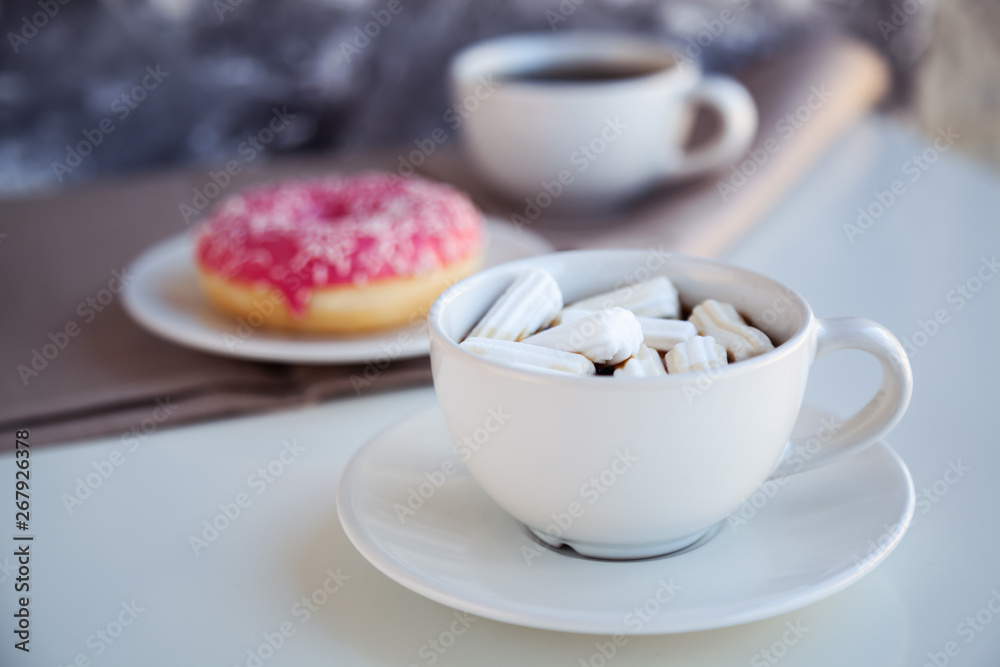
(341, 254)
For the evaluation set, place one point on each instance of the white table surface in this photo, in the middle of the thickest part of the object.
(129, 541)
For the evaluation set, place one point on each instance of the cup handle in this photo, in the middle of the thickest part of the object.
(738, 115)
(872, 422)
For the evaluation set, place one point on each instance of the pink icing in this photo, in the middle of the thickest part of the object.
(301, 235)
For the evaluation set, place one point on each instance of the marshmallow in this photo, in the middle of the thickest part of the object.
(604, 336)
(653, 298)
(644, 363)
(530, 357)
(663, 335)
(531, 302)
(568, 315)
(696, 354)
(721, 321)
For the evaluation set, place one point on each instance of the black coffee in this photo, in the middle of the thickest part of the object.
(585, 72)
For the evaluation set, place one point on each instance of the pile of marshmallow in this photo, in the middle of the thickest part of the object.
(624, 331)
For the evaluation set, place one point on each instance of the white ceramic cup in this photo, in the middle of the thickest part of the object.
(635, 467)
(591, 142)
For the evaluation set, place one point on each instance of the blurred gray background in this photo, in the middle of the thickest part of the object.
(222, 66)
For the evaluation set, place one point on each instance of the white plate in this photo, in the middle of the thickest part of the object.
(814, 535)
(165, 298)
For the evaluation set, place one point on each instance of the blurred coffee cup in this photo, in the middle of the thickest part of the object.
(588, 119)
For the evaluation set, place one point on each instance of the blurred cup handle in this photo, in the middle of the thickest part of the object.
(738, 115)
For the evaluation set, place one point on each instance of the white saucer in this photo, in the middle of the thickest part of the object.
(818, 533)
(165, 298)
